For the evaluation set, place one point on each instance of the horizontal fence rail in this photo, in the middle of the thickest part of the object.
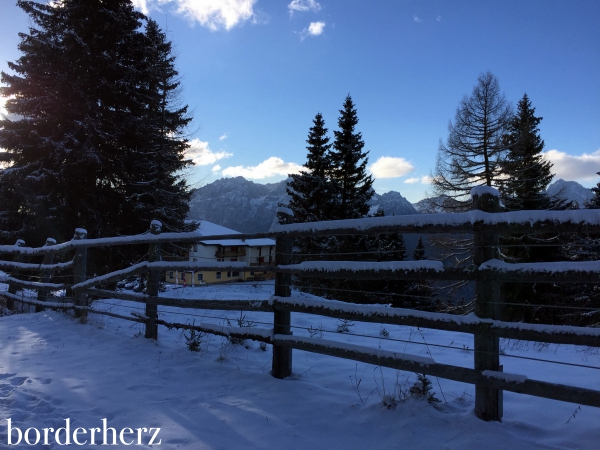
(516, 222)
(487, 271)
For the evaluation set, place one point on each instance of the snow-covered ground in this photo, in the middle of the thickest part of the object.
(223, 397)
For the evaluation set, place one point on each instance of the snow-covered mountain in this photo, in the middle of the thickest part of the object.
(571, 191)
(567, 190)
(428, 206)
(250, 207)
(392, 203)
(238, 203)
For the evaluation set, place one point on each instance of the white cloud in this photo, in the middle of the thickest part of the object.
(423, 180)
(142, 5)
(417, 19)
(314, 29)
(438, 18)
(212, 14)
(268, 168)
(390, 167)
(223, 137)
(303, 6)
(216, 168)
(202, 155)
(574, 167)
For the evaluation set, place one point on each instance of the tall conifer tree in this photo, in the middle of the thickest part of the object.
(159, 190)
(526, 173)
(352, 186)
(309, 190)
(94, 132)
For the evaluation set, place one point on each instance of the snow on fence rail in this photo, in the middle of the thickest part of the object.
(486, 271)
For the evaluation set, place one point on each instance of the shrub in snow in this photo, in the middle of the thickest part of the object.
(344, 326)
(316, 331)
(422, 389)
(193, 339)
(242, 322)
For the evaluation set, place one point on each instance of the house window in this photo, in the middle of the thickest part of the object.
(228, 274)
(171, 275)
(218, 275)
(235, 274)
(200, 277)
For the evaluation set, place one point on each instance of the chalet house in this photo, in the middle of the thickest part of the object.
(253, 252)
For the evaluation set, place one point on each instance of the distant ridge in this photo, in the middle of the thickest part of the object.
(250, 207)
(570, 191)
(566, 190)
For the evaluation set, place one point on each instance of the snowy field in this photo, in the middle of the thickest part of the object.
(223, 397)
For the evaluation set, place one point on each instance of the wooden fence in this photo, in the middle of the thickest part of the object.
(487, 271)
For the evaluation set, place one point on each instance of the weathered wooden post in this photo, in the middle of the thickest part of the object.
(488, 401)
(12, 289)
(153, 283)
(282, 356)
(80, 274)
(46, 274)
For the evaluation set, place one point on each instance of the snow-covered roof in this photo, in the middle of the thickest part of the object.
(207, 228)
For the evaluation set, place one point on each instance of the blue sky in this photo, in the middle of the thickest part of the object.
(255, 73)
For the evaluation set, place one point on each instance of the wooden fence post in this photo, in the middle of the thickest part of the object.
(80, 274)
(12, 289)
(153, 283)
(282, 356)
(45, 275)
(488, 401)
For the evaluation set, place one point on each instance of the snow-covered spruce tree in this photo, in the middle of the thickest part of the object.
(159, 190)
(352, 187)
(419, 252)
(526, 173)
(86, 101)
(74, 90)
(309, 190)
(475, 147)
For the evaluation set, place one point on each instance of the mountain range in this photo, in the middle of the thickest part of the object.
(250, 207)
(571, 191)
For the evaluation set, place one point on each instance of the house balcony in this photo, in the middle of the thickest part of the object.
(230, 254)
